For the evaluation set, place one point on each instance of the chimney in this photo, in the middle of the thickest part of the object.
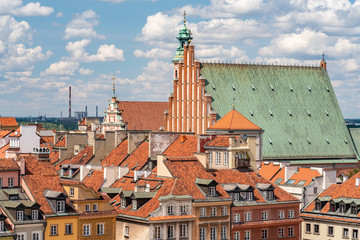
(162, 170)
(69, 101)
(182, 138)
(345, 178)
(86, 114)
(357, 183)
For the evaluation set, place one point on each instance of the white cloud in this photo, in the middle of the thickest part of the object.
(59, 14)
(83, 71)
(61, 68)
(154, 53)
(219, 53)
(82, 25)
(15, 7)
(104, 53)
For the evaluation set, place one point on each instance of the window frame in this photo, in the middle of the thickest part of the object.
(236, 218)
(53, 230)
(11, 182)
(71, 192)
(316, 229)
(224, 211)
(20, 215)
(226, 158)
(170, 231)
(264, 234)
(247, 217)
(183, 230)
(134, 204)
(183, 209)
(308, 227)
(281, 214)
(217, 158)
(291, 213)
(213, 211)
(157, 232)
(353, 233)
(170, 210)
(247, 235)
(60, 206)
(223, 230)
(202, 233)
(290, 232)
(68, 228)
(34, 214)
(345, 230)
(210, 157)
(95, 209)
(202, 212)
(281, 232)
(213, 233)
(86, 230)
(330, 231)
(264, 215)
(100, 228)
(212, 191)
(87, 207)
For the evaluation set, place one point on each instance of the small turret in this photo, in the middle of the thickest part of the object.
(184, 38)
(323, 62)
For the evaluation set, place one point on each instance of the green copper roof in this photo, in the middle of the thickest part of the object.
(355, 135)
(295, 106)
(184, 37)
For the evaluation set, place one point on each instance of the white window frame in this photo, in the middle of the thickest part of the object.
(224, 211)
(226, 158)
(213, 211)
(247, 235)
(264, 216)
(170, 210)
(264, 234)
(202, 233)
(247, 217)
(236, 235)
(86, 230)
(171, 231)
(236, 197)
(34, 214)
(223, 232)
(2, 226)
(281, 232)
(249, 196)
(355, 236)
(212, 191)
(291, 214)
(127, 231)
(53, 229)
(11, 182)
(87, 207)
(237, 218)
(60, 206)
(68, 228)
(21, 236)
(134, 204)
(71, 192)
(123, 202)
(203, 212)
(213, 233)
(36, 235)
(270, 195)
(157, 232)
(281, 214)
(290, 231)
(183, 230)
(218, 158)
(183, 209)
(345, 230)
(20, 215)
(100, 229)
(210, 158)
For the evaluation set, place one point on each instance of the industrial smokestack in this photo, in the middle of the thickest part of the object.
(70, 102)
(86, 111)
(97, 108)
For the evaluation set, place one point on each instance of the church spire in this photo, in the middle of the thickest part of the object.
(323, 62)
(184, 37)
(113, 78)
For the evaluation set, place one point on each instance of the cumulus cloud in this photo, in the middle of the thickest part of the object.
(154, 53)
(83, 71)
(82, 25)
(104, 53)
(61, 68)
(16, 7)
(220, 53)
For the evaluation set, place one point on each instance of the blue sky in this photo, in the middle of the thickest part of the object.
(47, 46)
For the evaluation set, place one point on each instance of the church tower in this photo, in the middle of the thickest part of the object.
(113, 120)
(189, 107)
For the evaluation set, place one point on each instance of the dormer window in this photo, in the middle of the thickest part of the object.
(20, 215)
(60, 206)
(332, 207)
(123, 202)
(342, 208)
(170, 210)
(35, 214)
(317, 206)
(249, 196)
(353, 210)
(270, 195)
(183, 209)
(2, 225)
(134, 204)
(236, 197)
(212, 191)
(71, 192)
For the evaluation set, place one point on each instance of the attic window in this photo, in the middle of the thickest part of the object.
(123, 202)
(60, 206)
(253, 87)
(271, 114)
(170, 210)
(249, 196)
(332, 207)
(134, 205)
(251, 113)
(317, 206)
(342, 208)
(290, 113)
(272, 87)
(270, 194)
(212, 191)
(233, 87)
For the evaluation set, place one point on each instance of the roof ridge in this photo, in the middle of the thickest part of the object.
(259, 64)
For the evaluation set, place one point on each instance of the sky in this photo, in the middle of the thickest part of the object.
(47, 46)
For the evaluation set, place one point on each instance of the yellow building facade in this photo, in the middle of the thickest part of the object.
(61, 227)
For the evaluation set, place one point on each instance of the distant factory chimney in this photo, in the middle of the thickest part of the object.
(70, 102)
(97, 109)
(86, 112)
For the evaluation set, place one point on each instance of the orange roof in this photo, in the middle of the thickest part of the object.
(4, 133)
(117, 155)
(61, 142)
(305, 174)
(83, 157)
(15, 133)
(234, 121)
(269, 170)
(94, 180)
(279, 174)
(138, 158)
(143, 115)
(8, 121)
(182, 146)
(8, 164)
(3, 150)
(83, 122)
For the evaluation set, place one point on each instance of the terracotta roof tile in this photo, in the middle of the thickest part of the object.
(234, 121)
(138, 158)
(4, 133)
(279, 174)
(3, 150)
(305, 174)
(143, 115)
(219, 141)
(268, 170)
(8, 121)
(182, 146)
(94, 180)
(83, 157)
(61, 142)
(117, 155)
(15, 133)
(8, 164)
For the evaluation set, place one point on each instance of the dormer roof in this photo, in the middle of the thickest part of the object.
(234, 121)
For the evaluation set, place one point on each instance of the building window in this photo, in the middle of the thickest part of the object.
(20, 215)
(86, 230)
(237, 218)
(308, 228)
(11, 182)
(210, 158)
(226, 158)
(95, 207)
(224, 211)
(123, 202)
(346, 232)
(330, 230)
(218, 158)
(2, 226)
(21, 236)
(212, 191)
(264, 234)
(213, 211)
(202, 212)
(183, 209)
(249, 196)
(291, 214)
(60, 206)
(53, 230)
(247, 235)
(134, 205)
(101, 228)
(316, 229)
(236, 196)
(223, 232)
(183, 230)
(281, 232)
(342, 208)
(213, 233)
(236, 235)
(35, 214)
(353, 210)
(318, 206)
(202, 233)
(170, 210)
(270, 195)
(35, 236)
(281, 214)
(68, 228)
(71, 192)
(170, 232)
(157, 233)
(264, 215)
(355, 234)
(290, 232)
(87, 208)
(127, 231)
(247, 217)
(1, 183)
(332, 207)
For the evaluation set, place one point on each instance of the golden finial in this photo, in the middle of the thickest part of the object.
(113, 78)
(184, 16)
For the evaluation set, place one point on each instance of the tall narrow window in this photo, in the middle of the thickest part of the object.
(134, 204)
(60, 206)
(53, 230)
(291, 214)
(86, 230)
(223, 232)
(87, 208)
(237, 218)
(213, 233)
(203, 212)
(218, 158)
(247, 217)
(183, 230)
(213, 211)
(157, 233)
(223, 210)
(11, 182)
(171, 233)
(68, 228)
(290, 232)
(264, 234)
(247, 235)
(281, 214)
(20, 215)
(281, 232)
(71, 192)
(202, 233)
(35, 214)
(35, 236)
(264, 215)
(2, 226)
(212, 191)
(236, 235)
(123, 202)
(210, 158)
(170, 210)
(101, 228)
(95, 207)
(226, 159)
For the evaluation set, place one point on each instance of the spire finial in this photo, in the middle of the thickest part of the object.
(323, 56)
(184, 16)
(113, 78)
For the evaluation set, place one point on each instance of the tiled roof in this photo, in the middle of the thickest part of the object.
(182, 146)
(8, 121)
(94, 180)
(143, 115)
(54, 156)
(61, 142)
(138, 158)
(234, 120)
(83, 157)
(126, 183)
(4, 133)
(279, 174)
(186, 172)
(15, 133)
(83, 122)
(219, 141)
(3, 150)
(46, 141)
(305, 174)
(294, 105)
(8, 164)
(268, 170)
(41, 176)
(355, 136)
(117, 155)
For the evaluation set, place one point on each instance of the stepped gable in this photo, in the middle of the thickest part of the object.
(295, 106)
(182, 146)
(117, 155)
(143, 115)
(234, 120)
